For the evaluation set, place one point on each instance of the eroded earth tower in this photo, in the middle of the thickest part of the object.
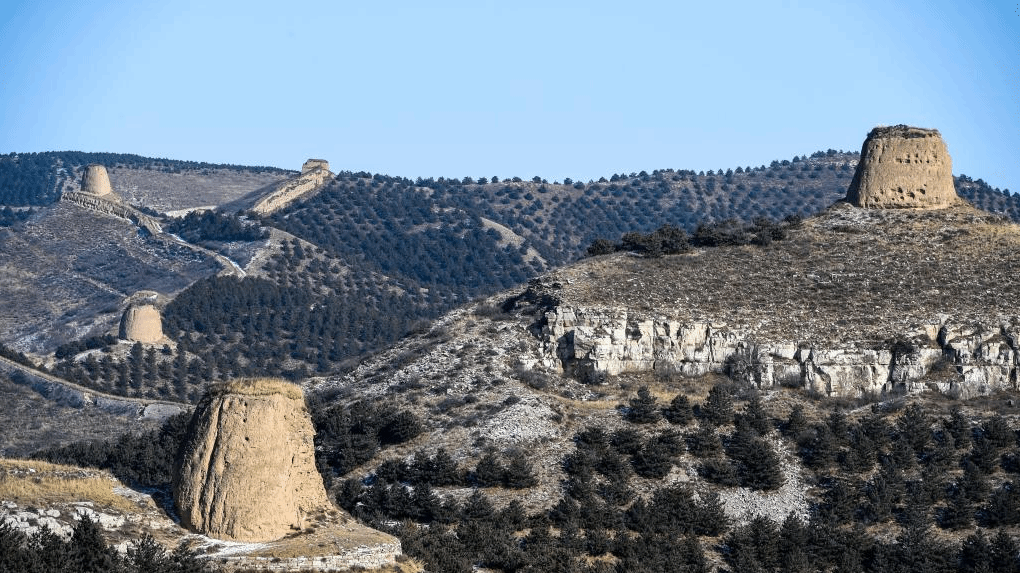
(246, 469)
(903, 167)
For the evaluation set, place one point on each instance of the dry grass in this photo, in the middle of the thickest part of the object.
(330, 534)
(258, 387)
(33, 483)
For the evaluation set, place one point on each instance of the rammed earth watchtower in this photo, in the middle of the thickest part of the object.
(246, 469)
(96, 181)
(903, 167)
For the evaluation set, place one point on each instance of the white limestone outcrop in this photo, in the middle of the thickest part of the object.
(593, 342)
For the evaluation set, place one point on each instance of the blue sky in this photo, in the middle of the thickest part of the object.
(557, 89)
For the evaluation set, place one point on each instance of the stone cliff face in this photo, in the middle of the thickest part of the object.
(903, 167)
(971, 359)
(246, 471)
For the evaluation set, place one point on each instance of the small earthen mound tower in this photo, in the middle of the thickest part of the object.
(903, 167)
(246, 469)
(96, 180)
(141, 323)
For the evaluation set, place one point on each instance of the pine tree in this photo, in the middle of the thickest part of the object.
(705, 442)
(425, 503)
(13, 553)
(759, 467)
(718, 407)
(975, 554)
(795, 423)
(958, 425)
(880, 501)
(711, 518)
(489, 471)
(1003, 506)
(652, 461)
(444, 469)
(984, 454)
(679, 411)
(755, 416)
(477, 507)
(89, 552)
(519, 473)
(915, 427)
(794, 539)
(959, 512)
(147, 556)
(1005, 554)
(644, 409)
(997, 430)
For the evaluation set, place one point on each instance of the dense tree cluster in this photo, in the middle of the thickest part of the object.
(10, 217)
(670, 240)
(28, 179)
(607, 519)
(951, 472)
(306, 317)
(403, 233)
(88, 552)
(989, 198)
(513, 470)
(15, 356)
(602, 524)
(204, 226)
(78, 346)
(666, 240)
(348, 436)
(138, 459)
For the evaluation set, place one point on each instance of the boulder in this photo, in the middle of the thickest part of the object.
(246, 469)
(903, 167)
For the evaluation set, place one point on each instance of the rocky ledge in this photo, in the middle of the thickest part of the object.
(960, 360)
(854, 302)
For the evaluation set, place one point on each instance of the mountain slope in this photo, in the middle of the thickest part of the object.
(381, 254)
(654, 449)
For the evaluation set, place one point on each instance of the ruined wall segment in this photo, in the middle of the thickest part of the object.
(246, 470)
(314, 164)
(314, 174)
(903, 167)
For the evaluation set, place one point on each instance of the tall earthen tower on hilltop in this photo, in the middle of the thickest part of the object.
(96, 181)
(246, 469)
(903, 167)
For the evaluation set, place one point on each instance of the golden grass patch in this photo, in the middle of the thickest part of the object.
(41, 484)
(258, 387)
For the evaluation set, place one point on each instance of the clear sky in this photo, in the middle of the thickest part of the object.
(557, 89)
